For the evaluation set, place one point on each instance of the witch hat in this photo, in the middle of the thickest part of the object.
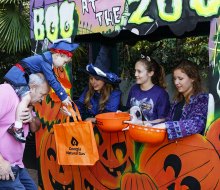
(100, 68)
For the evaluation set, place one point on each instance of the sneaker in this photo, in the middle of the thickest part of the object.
(17, 133)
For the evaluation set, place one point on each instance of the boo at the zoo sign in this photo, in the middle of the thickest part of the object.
(54, 19)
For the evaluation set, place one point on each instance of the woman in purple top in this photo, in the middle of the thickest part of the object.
(188, 113)
(148, 99)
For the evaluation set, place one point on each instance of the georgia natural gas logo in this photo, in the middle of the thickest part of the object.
(74, 142)
(75, 149)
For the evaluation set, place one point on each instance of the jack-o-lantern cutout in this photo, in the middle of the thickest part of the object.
(115, 157)
(213, 134)
(189, 163)
(55, 176)
(131, 181)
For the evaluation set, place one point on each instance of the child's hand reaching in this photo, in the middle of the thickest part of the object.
(67, 102)
(65, 111)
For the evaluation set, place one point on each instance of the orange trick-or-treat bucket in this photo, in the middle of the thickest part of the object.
(147, 134)
(112, 121)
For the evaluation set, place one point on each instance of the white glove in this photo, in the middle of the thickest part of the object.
(5, 170)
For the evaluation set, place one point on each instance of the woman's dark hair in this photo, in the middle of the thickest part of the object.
(158, 77)
(192, 71)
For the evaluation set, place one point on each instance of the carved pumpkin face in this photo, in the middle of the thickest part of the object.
(190, 163)
(115, 157)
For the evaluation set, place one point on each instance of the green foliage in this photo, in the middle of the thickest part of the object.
(11, 1)
(168, 52)
(14, 33)
(14, 27)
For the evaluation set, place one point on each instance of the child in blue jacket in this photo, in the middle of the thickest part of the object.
(18, 76)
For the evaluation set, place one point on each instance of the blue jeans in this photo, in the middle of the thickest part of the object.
(23, 181)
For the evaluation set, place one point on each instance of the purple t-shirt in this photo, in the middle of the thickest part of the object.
(153, 103)
(10, 149)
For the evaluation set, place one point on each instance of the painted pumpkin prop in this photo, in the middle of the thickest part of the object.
(88, 180)
(190, 163)
(131, 181)
(115, 157)
(213, 134)
(55, 176)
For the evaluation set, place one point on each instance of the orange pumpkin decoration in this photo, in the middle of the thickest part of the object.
(55, 176)
(88, 180)
(171, 165)
(191, 162)
(115, 157)
(213, 134)
(131, 181)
